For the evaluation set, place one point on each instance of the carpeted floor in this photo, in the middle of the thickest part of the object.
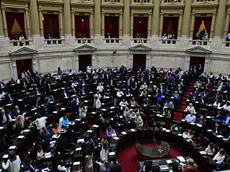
(128, 158)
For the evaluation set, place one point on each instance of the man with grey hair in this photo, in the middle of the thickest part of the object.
(190, 166)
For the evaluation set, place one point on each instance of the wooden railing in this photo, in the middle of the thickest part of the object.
(226, 44)
(17, 43)
(84, 40)
(54, 41)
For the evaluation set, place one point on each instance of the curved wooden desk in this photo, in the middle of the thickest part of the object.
(155, 152)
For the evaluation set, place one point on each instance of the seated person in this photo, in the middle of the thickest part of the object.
(132, 115)
(144, 86)
(219, 157)
(110, 132)
(176, 95)
(188, 134)
(28, 166)
(126, 114)
(145, 168)
(82, 112)
(226, 106)
(64, 121)
(210, 150)
(190, 166)
(55, 129)
(104, 153)
(190, 118)
(168, 105)
(120, 94)
(61, 167)
(46, 134)
(190, 109)
(100, 88)
(97, 103)
(40, 153)
(123, 104)
(216, 129)
(176, 128)
(201, 120)
(226, 120)
(104, 141)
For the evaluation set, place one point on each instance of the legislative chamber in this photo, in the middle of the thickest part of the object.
(114, 85)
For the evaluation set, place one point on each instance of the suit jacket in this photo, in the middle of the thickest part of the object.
(115, 168)
(225, 118)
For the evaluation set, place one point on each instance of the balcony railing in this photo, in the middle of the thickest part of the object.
(200, 42)
(111, 3)
(169, 41)
(205, 2)
(17, 43)
(54, 41)
(141, 2)
(112, 40)
(172, 3)
(140, 40)
(84, 40)
(226, 44)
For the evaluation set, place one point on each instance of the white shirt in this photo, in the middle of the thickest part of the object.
(82, 113)
(40, 123)
(63, 168)
(98, 104)
(123, 103)
(190, 109)
(104, 155)
(120, 94)
(228, 36)
(100, 88)
(139, 121)
(13, 166)
(218, 158)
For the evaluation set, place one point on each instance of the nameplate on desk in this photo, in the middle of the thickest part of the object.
(95, 126)
(48, 155)
(181, 158)
(158, 115)
(12, 147)
(112, 153)
(180, 135)
(80, 141)
(121, 117)
(56, 136)
(123, 133)
(219, 136)
(209, 117)
(76, 163)
(199, 125)
(167, 131)
(78, 149)
(62, 108)
(169, 161)
(164, 167)
(78, 120)
(203, 153)
(182, 120)
(45, 169)
(55, 112)
(1, 128)
(52, 142)
(21, 137)
(192, 123)
(5, 156)
(209, 130)
(89, 131)
(116, 138)
(133, 130)
(163, 129)
(26, 131)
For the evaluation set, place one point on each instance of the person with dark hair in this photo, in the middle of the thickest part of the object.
(115, 167)
(145, 169)
(28, 165)
(13, 164)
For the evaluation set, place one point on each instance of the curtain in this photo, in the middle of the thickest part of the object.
(23, 65)
(170, 26)
(207, 21)
(15, 24)
(82, 27)
(139, 61)
(196, 61)
(140, 27)
(84, 61)
(51, 25)
(111, 27)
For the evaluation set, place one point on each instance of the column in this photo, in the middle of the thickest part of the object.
(27, 23)
(61, 23)
(226, 30)
(15, 71)
(91, 24)
(161, 25)
(179, 25)
(126, 19)
(103, 24)
(41, 22)
(73, 23)
(120, 24)
(212, 25)
(67, 17)
(1, 26)
(34, 18)
(220, 19)
(186, 18)
(156, 18)
(149, 25)
(131, 27)
(97, 17)
(4, 22)
(192, 25)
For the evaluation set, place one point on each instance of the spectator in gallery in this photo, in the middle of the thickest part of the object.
(49, 36)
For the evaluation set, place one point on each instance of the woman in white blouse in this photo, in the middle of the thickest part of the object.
(190, 109)
(219, 157)
(210, 150)
(104, 153)
(13, 164)
(138, 120)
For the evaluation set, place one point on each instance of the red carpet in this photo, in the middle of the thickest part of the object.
(128, 158)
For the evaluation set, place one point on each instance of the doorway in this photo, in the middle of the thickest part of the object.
(23, 65)
(197, 61)
(139, 61)
(84, 61)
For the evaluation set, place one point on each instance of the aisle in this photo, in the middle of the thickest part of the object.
(178, 114)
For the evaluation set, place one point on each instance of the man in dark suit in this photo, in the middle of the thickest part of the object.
(115, 167)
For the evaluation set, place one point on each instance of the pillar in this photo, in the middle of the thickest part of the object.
(91, 24)
(161, 25)
(4, 22)
(28, 23)
(226, 30)
(120, 24)
(186, 18)
(1, 26)
(212, 25)
(149, 25)
(192, 25)
(61, 22)
(97, 17)
(34, 18)
(41, 22)
(131, 27)
(126, 18)
(220, 19)
(179, 25)
(67, 17)
(73, 23)
(103, 24)
(156, 18)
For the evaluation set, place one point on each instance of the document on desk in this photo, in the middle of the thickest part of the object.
(181, 158)
(48, 155)
(169, 161)
(164, 167)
